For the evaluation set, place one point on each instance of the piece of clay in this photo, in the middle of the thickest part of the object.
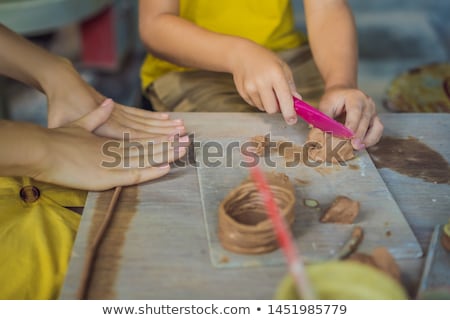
(290, 151)
(380, 259)
(244, 226)
(323, 147)
(386, 262)
(352, 244)
(445, 241)
(260, 145)
(342, 210)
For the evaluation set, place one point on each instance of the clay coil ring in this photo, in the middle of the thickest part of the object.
(244, 226)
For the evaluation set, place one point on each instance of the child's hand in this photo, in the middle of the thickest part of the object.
(72, 156)
(73, 98)
(264, 81)
(361, 116)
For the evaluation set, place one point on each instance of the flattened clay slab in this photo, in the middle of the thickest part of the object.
(379, 216)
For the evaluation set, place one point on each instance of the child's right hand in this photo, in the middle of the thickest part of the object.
(264, 80)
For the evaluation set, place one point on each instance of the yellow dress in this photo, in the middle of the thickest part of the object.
(36, 237)
(269, 23)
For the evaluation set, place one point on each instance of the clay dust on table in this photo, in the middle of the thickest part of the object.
(319, 147)
(410, 157)
(107, 262)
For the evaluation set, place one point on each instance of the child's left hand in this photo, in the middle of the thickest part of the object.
(361, 116)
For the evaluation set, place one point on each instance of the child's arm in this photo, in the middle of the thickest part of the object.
(74, 157)
(332, 37)
(261, 78)
(69, 96)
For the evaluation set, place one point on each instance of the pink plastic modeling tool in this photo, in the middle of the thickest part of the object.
(321, 120)
(284, 236)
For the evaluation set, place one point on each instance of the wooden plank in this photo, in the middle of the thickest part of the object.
(163, 251)
(380, 217)
(435, 275)
(424, 204)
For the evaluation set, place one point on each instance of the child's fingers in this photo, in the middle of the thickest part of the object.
(269, 101)
(374, 133)
(284, 96)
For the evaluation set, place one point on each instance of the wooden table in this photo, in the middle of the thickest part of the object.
(172, 262)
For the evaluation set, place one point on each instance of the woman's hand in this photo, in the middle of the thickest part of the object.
(71, 98)
(73, 156)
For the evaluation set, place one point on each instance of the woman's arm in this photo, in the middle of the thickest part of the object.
(69, 96)
(26, 62)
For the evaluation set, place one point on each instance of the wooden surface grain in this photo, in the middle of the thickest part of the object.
(159, 250)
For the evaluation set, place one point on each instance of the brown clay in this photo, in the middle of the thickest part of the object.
(290, 151)
(409, 156)
(445, 241)
(323, 147)
(342, 210)
(386, 262)
(363, 258)
(380, 259)
(260, 145)
(243, 223)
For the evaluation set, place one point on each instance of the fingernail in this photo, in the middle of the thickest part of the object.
(178, 121)
(172, 137)
(358, 143)
(107, 102)
(298, 95)
(164, 166)
(177, 131)
(291, 121)
(184, 139)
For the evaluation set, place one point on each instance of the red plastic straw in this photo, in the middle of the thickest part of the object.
(284, 236)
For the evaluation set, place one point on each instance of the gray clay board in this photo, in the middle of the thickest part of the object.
(380, 216)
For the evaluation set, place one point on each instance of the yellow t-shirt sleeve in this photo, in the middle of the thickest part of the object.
(268, 23)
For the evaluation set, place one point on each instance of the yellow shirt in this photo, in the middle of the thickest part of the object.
(269, 23)
(36, 238)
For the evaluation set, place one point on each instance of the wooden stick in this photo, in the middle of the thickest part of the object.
(88, 267)
(352, 244)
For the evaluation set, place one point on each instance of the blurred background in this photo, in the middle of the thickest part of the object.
(100, 37)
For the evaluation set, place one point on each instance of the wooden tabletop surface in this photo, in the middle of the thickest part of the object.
(169, 258)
